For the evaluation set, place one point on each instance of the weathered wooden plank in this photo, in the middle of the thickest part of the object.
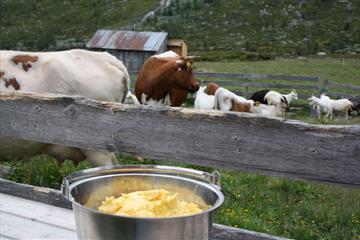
(221, 232)
(218, 231)
(241, 141)
(14, 226)
(57, 216)
(39, 194)
(261, 84)
(4, 237)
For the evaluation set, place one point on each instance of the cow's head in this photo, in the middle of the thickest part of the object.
(184, 78)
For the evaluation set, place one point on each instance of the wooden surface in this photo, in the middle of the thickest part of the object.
(238, 141)
(24, 218)
(39, 194)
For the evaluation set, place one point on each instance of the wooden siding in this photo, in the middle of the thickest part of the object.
(133, 60)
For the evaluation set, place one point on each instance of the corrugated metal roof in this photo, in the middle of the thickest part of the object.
(127, 40)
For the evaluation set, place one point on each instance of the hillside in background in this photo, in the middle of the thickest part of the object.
(281, 27)
(54, 25)
(212, 28)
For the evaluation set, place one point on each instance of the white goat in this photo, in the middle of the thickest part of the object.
(291, 96)
(328, 106)
(268, 110)
(202, 100)
(275, 98)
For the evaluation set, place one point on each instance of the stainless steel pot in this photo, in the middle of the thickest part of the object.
(86, 189)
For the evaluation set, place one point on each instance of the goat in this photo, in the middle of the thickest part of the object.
(226, 100)
(203, 100)
(270, 97)
(356, 104)
(291, 96)
(267, 110)
(211, 88)
(328, 106)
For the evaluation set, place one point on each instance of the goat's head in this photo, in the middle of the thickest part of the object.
(294, 94)
(201, 89)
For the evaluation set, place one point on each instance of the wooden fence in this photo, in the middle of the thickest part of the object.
(237, 141)
(342, 89)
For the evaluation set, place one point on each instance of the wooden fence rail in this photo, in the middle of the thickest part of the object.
(257, 76)
(342, 85)
(241, 141)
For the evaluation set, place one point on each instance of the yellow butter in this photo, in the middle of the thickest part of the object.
(153, 203)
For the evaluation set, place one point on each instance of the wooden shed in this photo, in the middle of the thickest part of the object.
(177, 45)
(132, 48)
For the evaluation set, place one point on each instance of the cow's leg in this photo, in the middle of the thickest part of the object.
(347, 113)
(61, 153)
(100, 157)
(177, 97)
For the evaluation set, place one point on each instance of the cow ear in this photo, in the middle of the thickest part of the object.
(189, 65)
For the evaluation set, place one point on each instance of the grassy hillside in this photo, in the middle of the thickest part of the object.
(268, 27)
(227, 29)
(48, 25)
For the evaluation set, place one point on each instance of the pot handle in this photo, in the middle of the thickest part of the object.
(65, 189)
(213, 178)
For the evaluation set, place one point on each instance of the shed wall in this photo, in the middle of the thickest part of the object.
(133, 60)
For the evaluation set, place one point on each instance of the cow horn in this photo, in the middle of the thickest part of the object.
(191, 57)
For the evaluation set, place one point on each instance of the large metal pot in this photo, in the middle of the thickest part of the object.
(86, 189)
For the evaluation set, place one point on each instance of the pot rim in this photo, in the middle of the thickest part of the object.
(67, 193)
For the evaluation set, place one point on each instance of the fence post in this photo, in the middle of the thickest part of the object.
(325, 86)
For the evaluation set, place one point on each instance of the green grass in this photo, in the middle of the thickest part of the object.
(342, 70)
(288, 208)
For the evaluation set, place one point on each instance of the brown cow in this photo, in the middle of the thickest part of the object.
(164, 75)
(211, 88)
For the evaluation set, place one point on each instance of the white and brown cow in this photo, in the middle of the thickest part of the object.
(96, 75)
